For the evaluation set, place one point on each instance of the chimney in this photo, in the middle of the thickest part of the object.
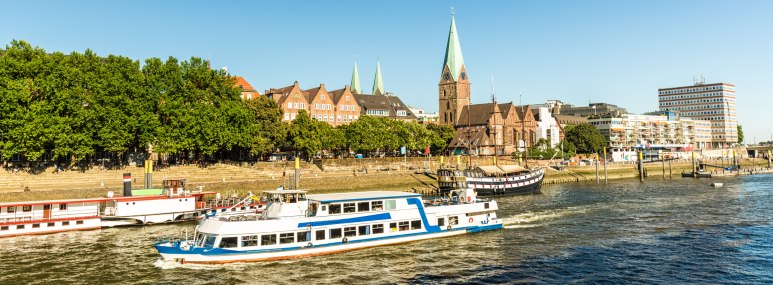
(127, 184)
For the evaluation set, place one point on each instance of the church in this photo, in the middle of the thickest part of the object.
(482, 129)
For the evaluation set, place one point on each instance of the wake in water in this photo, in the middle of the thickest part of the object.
(540, 218)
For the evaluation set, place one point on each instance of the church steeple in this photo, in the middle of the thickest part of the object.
(454, 59)
(356, 80)
(454, 85)
(378, 83)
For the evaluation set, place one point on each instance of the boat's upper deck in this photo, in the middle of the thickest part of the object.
(360, 196)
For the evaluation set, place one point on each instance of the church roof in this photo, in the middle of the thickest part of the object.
(454, 59)
(479, 114)
(378, 83)
(355, 86)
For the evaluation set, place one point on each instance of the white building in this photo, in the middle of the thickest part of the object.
(654, 132)
(547, 126)
(424, 117)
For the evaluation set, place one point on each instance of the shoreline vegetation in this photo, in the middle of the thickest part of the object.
(402, 174)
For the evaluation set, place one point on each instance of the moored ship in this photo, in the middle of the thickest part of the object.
(492, 180)
(295, 224)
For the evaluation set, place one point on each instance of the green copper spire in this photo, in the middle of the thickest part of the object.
(356, 80)
(378, 84)
(454, 59)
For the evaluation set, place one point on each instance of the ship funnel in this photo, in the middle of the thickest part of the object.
(127, 184)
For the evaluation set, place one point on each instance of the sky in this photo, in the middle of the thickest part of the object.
(618, 52)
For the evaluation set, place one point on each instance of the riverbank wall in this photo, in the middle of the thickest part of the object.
(317, 176)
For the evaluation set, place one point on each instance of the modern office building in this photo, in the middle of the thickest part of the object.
(593, 109)
(712, 103)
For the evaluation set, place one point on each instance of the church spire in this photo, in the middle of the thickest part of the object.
(356, 80)
(378, 83)
(454, 59)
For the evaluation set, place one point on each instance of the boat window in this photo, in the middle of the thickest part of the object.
(268, 239)
(363, 207)
(335, 209)
(348, 207)
(303, 236)
(12, 209)
(20, 227)
(485, 205)
(350, 231)
(66, 223)
(453, 220)
(441, 222)
(404, 226)
(393, 227)
(363, 230)
(79, 222)
(416, 225)
(391, 204)
(51, 225)
(62, 207)
(4, 228)
(228, 242)
(320, 235)
(35, 226)
(335, 233)
(26, 208)
(323, 208)
(378, 228)
(286, 238)
(249, 241)
(377, 205)
(210, 241)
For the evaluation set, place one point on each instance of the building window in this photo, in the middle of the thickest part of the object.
(323, 96)
(268, 239)
(249, 241)
(402, 113)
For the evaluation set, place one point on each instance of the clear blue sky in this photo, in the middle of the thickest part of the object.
(618, 52)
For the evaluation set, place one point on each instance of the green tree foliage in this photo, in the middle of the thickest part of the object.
(77, 104)
(305, 134)
(586, 138)
(740, 134)
(445, 134)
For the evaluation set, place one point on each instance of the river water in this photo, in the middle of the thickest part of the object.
(625, 232)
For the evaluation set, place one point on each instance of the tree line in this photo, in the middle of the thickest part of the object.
(74, 105)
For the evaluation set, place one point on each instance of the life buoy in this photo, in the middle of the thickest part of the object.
(469, 220)
(309, 244)
(345, 240)
(469, 198)
(449, 227)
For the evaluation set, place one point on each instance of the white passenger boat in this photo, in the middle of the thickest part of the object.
(296, 225)
(173, 203)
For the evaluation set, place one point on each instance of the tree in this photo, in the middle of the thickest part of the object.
(304, 134)
(740, 134)
(586, 138)
(445, 134)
